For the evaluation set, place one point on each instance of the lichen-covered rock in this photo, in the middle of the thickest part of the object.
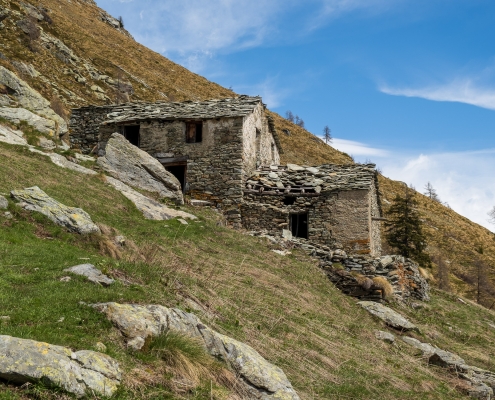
(426, 348)
(29, 98)
(80, 372)
(16, 115)
(389, 316)
(74, 219)
(92, 273)
(11, 136)
(385, 336)
(260, 378)
(150, 208)
(4, 203)
(135, 167)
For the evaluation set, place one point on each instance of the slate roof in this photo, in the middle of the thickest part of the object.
(294, 179)
(230, 107)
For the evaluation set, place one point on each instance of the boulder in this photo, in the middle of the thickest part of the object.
(135, 167)
(16, 115)
(387, 315)
(74, 219)
(446, 359)
(151, 209)
(29, 98)
(4, 203)
(23, 361)
(92, 273)
(47, 144)
(426, 348)
(260, 378)
(385, 336)
(11, 136)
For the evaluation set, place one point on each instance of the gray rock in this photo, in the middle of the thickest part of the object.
(78, 372)
(385, 336)
(29, 98)
(389, 316)
(385, 261)
(260, 378)
(295, 167)
(137, 168)
(480, 391)
(74, 219)
(446, 359)
(4, 100)
(11, 136)
(151, 209)
(4, 203)
(426, 348)
(47, 144)
(92, 273)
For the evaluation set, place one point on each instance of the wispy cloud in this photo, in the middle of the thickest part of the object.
(358, 149)
(461, 90)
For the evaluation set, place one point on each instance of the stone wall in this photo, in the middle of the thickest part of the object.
(84, 127)
(374, 220)
(338, 219)
(259, 144)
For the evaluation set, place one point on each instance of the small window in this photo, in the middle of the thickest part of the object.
(273, 151)
(194, 132)
(258, 133)
(288, 201)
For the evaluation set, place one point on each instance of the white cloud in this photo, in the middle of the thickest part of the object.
(463, 179)
(358, 149)
(461, 90)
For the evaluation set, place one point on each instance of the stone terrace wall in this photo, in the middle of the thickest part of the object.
(347, 271)
(84, 127)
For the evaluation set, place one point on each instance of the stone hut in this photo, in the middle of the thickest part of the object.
(210, 146)
(332, 205)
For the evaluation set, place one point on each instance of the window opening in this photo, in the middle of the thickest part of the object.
(299, 225)
(258, 133)
(194, 132)
(131, 133)
(273, 151)
(288, 201)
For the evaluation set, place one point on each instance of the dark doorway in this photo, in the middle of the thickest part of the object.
(131, 133)
(179, 171)
(299, 225)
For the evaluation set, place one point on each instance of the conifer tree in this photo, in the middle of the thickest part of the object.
(403, 229)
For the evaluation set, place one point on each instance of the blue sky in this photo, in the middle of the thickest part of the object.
(407, 84)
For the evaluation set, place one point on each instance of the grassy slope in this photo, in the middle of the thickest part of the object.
(282, 306)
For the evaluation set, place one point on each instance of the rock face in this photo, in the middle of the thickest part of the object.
(151, 209)
(134, 167)
(261, 379)
(24, 361)
(15, 115)
(74, 219)
(29, 98)
(389, 316)
(92, 273)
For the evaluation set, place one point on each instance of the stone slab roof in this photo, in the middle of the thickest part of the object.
(230, 107)
(303, 180)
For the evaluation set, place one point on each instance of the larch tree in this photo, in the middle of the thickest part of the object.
(431, 192)
(327, 134)
(404, 229)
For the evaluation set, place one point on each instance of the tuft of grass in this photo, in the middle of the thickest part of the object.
(379, 282)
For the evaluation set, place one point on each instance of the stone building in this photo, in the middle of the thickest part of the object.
(332, 205)
(210, 146)
(228, 153)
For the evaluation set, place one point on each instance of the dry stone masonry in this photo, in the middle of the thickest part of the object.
(332, 205)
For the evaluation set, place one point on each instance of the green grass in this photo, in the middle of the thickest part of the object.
(282, 306)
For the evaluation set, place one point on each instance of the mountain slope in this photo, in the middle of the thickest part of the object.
(83, 60)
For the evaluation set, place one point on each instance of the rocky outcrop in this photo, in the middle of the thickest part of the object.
(74, 219)
(134, 167)
(29, 98)
(92, 273)
(11, 136)
(261, 379)
(16, 115)
(482, 381)
(387, 315)
(151, 209)
(80, 372)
